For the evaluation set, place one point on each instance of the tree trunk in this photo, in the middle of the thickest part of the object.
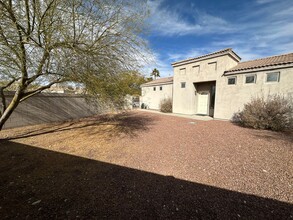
(8, 111)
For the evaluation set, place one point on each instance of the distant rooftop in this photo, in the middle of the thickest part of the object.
(261, 63)
(210, 55)
(161, 81)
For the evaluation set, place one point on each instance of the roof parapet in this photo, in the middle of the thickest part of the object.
(227, 51)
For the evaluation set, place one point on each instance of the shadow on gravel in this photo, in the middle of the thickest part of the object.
(128, 123)
(273, 135)
(42, 184)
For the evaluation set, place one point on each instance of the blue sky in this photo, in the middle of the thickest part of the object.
(189, 28)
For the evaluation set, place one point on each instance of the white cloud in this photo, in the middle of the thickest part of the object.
(163, 66)
(263, 32)
(173, 57)
(264, 1)
(168, 22)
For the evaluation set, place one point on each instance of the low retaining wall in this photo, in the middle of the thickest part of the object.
(50, 107)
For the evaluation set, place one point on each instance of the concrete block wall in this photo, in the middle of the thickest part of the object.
(50, 107)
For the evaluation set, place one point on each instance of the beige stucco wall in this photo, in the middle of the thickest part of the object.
(231, 98)
(153, 98)
(185, 99)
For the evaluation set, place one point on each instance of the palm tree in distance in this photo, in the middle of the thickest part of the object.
(155, 73)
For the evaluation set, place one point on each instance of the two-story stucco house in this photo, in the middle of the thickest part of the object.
(219, 85)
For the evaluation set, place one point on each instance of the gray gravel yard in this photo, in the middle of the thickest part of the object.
(151, 166)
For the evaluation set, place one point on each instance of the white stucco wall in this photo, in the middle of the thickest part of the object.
(231, 98)
(153, 98)
(184, 99)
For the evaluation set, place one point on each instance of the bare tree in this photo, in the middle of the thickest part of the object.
(44, 42)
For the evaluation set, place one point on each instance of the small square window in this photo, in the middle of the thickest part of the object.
(161, 88)
(183, 84)
(250, 79)
(154, 88)
(273, 77)
(232, 81)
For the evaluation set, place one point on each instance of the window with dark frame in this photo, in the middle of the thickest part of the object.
(273, 77)
(154, 88)
(232, 80)
(250, 79)
(183, 84)
(161, 88)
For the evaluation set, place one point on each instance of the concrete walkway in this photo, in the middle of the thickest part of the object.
(195, 117)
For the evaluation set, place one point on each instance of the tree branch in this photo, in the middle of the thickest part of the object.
(28, 18)
(19, 29)
(29, 94)
(40, 67)
(3, 98)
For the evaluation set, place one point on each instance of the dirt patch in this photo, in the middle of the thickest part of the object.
(142, 165)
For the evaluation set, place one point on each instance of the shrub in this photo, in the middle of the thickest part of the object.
(273, 113)
(166, 105)
(144, 106)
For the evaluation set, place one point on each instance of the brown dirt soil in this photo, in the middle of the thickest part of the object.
(140, 165)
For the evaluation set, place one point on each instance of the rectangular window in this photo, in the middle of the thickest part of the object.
(273, 77)
(195, 69)
(213, 65)
(232, 80)
(183, 84)
(183, 71)
(250, 79)
(154, 88)
(161, 88)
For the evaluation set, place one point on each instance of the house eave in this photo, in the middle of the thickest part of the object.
(156, 84)
(231, 54)
(253, 70)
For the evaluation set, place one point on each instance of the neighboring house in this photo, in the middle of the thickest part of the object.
(153, 92)
(59, 88)
(219, 85)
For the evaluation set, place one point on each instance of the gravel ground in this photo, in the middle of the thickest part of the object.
(145, 165)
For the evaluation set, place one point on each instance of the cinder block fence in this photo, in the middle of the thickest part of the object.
(50, 107)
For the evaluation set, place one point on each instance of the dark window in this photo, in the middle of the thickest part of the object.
(250, 79)
(232, 81)
(273, 77)
(183, 84)
(154, 88)
(161, 88)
